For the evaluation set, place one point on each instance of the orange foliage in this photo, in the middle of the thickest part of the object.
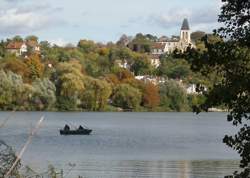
(36, 68)
(111, 78)
(124, 75)
(151, 97)
(18, 67)
(103, 51)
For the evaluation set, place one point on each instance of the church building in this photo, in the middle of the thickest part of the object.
(178, 42)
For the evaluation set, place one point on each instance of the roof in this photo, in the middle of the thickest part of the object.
(185, 25)
(14, 45)
(158, 45)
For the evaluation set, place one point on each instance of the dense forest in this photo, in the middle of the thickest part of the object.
(90, 77)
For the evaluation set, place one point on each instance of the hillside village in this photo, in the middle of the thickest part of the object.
(144, 65)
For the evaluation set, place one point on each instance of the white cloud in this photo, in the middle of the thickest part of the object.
(59, 42)
(24, 20)
(205, 19)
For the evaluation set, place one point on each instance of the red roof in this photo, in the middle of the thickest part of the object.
(14, 45)
(158, 46)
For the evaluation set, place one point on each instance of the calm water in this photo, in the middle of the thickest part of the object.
(126, 145)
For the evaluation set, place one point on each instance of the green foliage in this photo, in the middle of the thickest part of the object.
(69, 84)
(17, 38)
(141, 43)
(12, 90)
(230, 59)
(88, 76)
(96, 95)
(127, 97)
(173, 96)
(174, 68)
(87, 46)
(44, 94)
(141, 66)
(31, 38)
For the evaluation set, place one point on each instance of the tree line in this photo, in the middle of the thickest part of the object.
(88, 77)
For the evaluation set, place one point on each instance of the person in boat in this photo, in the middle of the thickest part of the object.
(80, 128)
(66, 127)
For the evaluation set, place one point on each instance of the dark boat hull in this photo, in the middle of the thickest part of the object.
(75, 132)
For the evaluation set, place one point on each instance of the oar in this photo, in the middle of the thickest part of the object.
(19, 156)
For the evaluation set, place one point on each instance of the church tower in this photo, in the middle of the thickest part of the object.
(185, 32)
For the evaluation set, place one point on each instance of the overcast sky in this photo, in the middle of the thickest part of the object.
(64, 21)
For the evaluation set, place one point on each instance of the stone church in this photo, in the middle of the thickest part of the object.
(166, 45)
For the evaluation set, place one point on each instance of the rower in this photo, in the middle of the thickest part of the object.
(66, 127)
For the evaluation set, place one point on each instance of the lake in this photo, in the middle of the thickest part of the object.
(125, 145)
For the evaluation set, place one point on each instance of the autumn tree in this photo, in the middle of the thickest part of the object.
(231, 60)
(36, 68)
(19, 67)
(151, 97)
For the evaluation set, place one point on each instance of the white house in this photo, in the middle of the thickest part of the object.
(17, 48)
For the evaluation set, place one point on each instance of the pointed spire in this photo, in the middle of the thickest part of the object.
(185, 25)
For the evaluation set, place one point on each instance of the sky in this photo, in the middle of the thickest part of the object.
(68, 21)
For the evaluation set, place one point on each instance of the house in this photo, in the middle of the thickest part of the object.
(17, 48)
(153, 79)
(166, 45)
(155, 60)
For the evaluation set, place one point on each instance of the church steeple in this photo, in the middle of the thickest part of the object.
(185, 25)
(185, 32)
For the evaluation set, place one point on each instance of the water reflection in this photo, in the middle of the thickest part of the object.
(155, 169)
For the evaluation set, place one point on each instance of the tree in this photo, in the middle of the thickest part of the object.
(173, 96)
(141, 66)
(17, 38)
(141, 43)
(69, 84)
(124, 40)
(19, 67)
(35, 66)
(87, 46)
(32, 38)
(44, 94)
(235, 15)
(196, 36)
(96, 94)
(127, 97)
(13, 92)
(2, 49)
(231, 60)
(151, 97)
(174, 68)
